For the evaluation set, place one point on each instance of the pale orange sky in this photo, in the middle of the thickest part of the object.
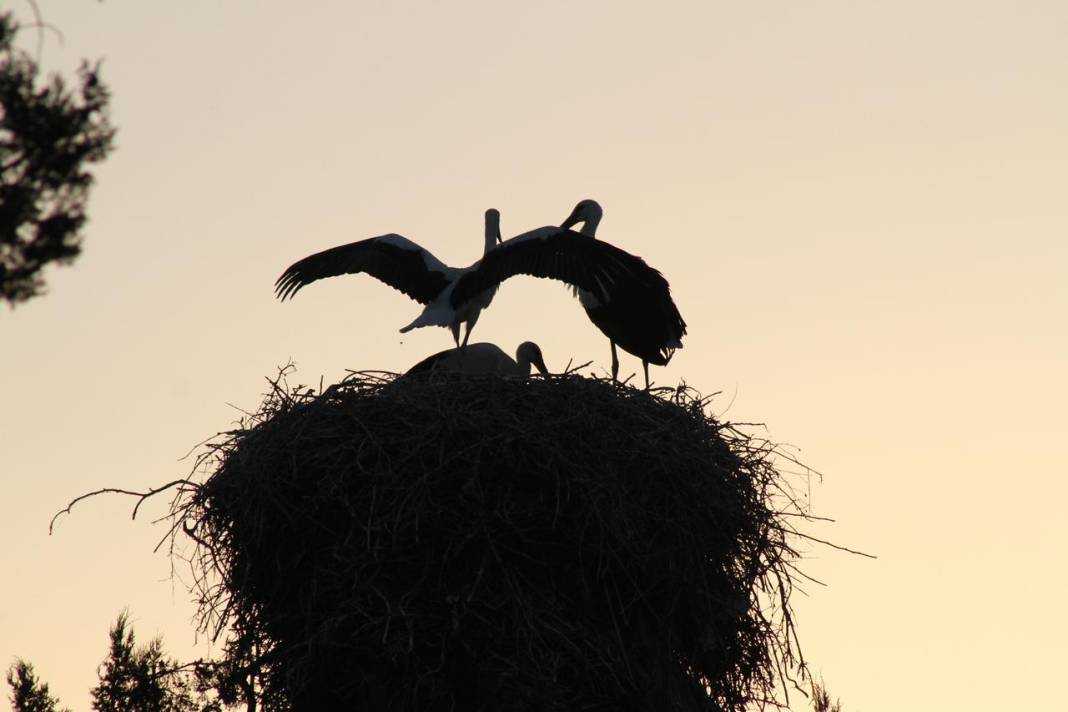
(860, 207)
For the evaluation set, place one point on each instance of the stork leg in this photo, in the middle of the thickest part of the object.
(615, 362)
(645, 365)
(455, 329)
(470, 325)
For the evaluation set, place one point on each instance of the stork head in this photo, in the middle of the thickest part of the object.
(493, 227)
(529, 353)
(588, 212)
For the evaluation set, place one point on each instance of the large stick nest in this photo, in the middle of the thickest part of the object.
(492, 544)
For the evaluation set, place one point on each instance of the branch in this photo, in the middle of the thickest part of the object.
(834, 546)
(569, 370)
(141, 497)
(40, 25)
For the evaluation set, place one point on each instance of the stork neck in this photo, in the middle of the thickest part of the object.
(589, 226)
(493, 230)
(491, 241)
(525, 357)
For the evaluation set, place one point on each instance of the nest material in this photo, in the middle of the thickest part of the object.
(493, 544)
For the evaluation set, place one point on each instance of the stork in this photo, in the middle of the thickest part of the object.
(643, 319)
(483, 359)
(403, 265)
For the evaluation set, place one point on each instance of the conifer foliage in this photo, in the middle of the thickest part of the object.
(49, 134)
(28, 693)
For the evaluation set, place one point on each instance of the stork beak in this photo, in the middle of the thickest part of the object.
(572, 219)
(539, 363)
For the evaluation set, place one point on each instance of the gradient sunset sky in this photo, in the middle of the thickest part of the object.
(862, 208)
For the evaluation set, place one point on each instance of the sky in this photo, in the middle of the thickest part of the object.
(860, 207)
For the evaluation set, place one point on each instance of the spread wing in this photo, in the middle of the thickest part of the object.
(557, 253)
(392, 259)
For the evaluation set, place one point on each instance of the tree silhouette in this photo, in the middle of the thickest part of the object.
(28, 693)
(821, 699)
(48, 134)
(143, 679)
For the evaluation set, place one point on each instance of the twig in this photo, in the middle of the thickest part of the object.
(141, 497)
(834, 546)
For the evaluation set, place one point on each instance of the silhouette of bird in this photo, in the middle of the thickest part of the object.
(403, 265)
(643, 319)
(484, 359)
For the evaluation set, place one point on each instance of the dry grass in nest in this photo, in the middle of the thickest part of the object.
(439, 543)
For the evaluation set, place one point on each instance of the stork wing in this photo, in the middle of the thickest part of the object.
(392, 259)
(600, 268)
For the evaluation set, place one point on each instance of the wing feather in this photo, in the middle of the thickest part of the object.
(392, 259)
(596, 266)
